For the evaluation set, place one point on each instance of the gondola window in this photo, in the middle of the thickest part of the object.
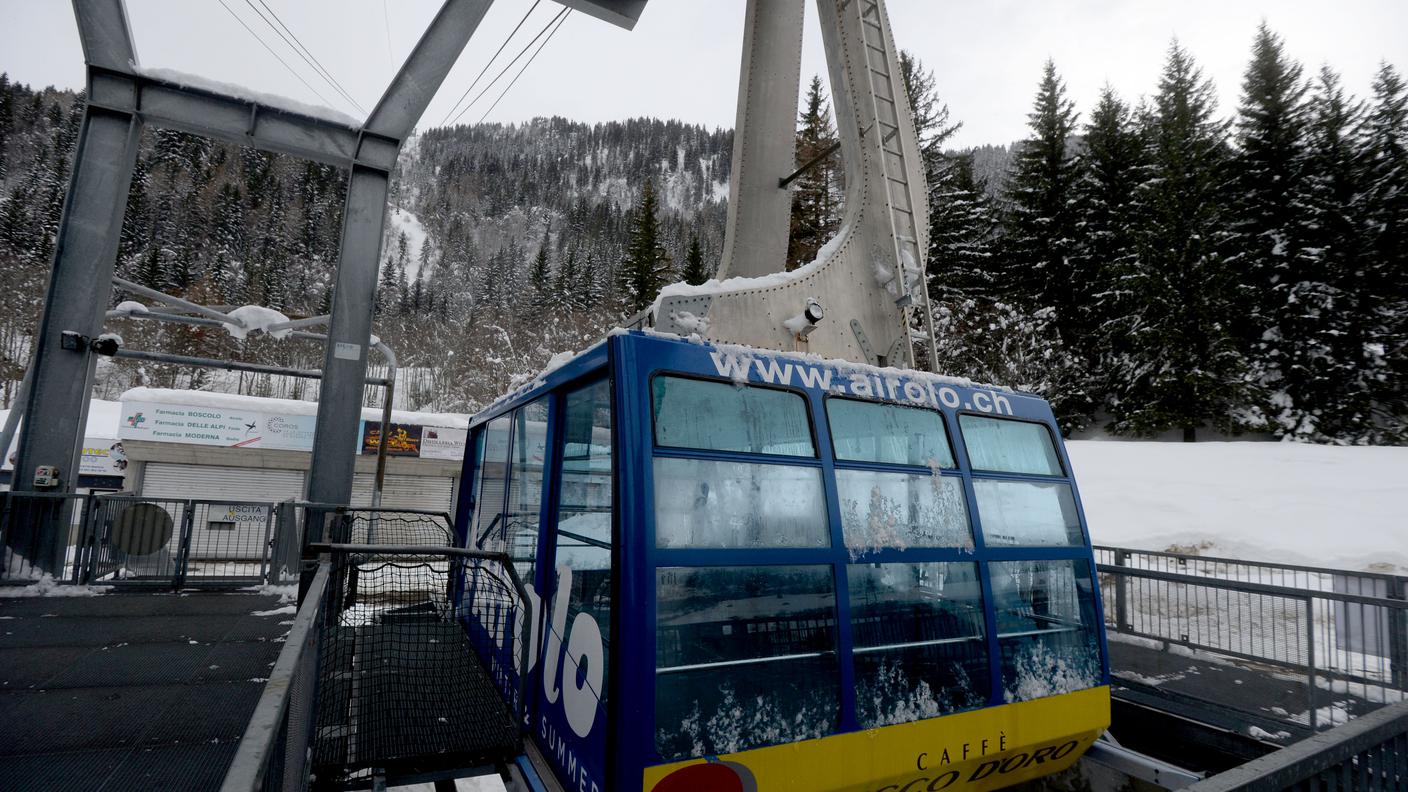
(719, 416)
(1045, 627)
(920, 650)
(888, 434)
(745, 657)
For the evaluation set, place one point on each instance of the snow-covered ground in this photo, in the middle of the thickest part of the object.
(1336, 506)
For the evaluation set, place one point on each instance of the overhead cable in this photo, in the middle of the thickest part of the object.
(490, 62)
(303, 52)
(275, 54)
(526, 65)
(555, 20)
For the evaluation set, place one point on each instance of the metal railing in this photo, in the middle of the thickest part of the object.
(420, 661)
(1367, 755)
(1346, 632)
(274, 753)
(42, 531)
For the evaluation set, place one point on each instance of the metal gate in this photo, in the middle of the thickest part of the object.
(178, 543)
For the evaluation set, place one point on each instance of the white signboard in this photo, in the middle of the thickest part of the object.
(242, 514)
(438, 442)
(236, 428)
(194, 425)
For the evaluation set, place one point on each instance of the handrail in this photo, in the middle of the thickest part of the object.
(1315, 754)
(1249, 563)
(1252, 587)
(246, 773)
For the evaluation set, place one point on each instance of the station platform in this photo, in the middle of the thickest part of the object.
(131, 690)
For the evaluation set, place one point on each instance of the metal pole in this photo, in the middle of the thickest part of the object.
(153, 294)
(12, 421)
(79, 288)
(1121, 593)
(1310, 659)
(363, 220)
(228, 365)
(387, 400)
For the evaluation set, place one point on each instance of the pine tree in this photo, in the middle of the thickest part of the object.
(694, 271)
(567, 286)
(1186, 369)
(1383, 212)
(593, 289)
(645, 266)
(403, 259)
(931, 117)
(540, 276)
(1041, 234)
(1112, 165)
(815, 207)
(1352, 376)
(1283, 299)
(386, 286)
(962, 233)
(424, 291)
(1041, 222)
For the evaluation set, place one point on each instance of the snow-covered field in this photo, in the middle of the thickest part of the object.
(1343, 507)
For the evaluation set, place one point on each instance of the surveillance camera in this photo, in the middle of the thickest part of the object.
(106, 345)
(805, 322)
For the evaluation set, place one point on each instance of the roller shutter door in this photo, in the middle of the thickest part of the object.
(431, 493)
(223, 531)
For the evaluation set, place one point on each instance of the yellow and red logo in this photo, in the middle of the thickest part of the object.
(972, 751)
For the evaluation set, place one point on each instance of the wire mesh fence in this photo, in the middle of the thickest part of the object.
(398, 527)
(403, 691)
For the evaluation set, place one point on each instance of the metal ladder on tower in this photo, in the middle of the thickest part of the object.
(901, 200)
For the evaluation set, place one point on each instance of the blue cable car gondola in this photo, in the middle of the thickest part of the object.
(753, 570)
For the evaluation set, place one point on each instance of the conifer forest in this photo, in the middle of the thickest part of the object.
(1202, 260)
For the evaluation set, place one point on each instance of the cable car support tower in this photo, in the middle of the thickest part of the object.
(857, 300)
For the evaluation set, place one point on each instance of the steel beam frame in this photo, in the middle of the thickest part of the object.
(363, 219)
(120, 100)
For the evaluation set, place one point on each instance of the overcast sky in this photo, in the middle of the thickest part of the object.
(682, 60)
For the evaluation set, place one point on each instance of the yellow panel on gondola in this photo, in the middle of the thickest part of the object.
(982, 749)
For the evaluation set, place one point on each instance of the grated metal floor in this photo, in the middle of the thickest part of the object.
(130, 691)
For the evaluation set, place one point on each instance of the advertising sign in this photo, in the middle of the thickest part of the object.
(102, 456)
(403, 440)
(240, 428)
(195, 425)
(439, 442)
(288, 432)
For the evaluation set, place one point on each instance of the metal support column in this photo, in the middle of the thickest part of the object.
(56, 407)
(755, 236)
(345, 363)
